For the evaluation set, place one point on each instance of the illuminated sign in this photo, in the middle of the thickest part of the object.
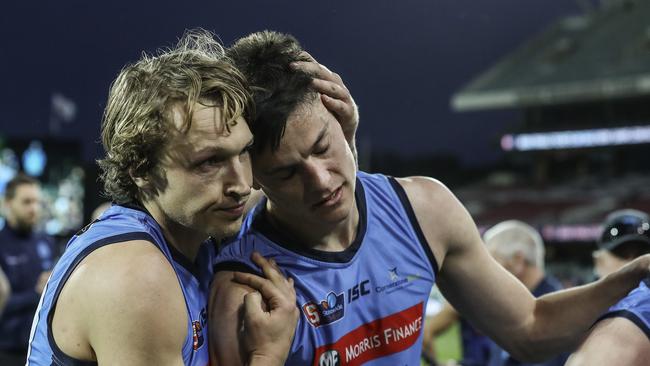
(576, 139)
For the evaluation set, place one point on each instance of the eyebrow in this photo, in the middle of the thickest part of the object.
(219, 151)
(320, 137)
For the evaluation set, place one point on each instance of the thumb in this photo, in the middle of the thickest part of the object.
(253, 304)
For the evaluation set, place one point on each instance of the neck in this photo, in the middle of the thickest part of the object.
(182, 238)
(329, 237)
(531, 277)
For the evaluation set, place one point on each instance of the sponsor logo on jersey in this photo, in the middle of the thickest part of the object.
(329, 358)
(397, 281)
(325, 311)
(197, 330)
(379, 338)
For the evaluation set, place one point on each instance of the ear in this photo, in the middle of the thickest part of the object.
(519, 260)
(141, 182)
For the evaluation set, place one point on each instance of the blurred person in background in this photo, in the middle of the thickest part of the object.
(622, 335)
(5, 290)
(475, 345)
(26, 257)
(519, 248)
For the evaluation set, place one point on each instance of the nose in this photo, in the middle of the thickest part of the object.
(317, 174)
(240, 178)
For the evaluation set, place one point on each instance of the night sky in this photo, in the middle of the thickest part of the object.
(402, 60)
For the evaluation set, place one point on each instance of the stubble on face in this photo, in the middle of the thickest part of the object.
(207, 174)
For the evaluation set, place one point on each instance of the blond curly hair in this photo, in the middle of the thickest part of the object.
(137, 121)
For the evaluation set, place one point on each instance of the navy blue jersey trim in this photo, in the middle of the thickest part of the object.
(233, 266)
(58, 357)
(629, 316)
(177, 256)
(181, 259)
(401, 194)
(262, 225)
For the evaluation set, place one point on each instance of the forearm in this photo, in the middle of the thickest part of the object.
(562, 319)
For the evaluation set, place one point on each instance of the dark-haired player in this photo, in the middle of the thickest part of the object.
(365, 249)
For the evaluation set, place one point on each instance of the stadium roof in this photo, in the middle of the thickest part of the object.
(602, 55)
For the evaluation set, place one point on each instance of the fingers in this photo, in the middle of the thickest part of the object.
(317, 71)
(253, 304)
(308, 56)
(338, 107)
(269, 291)
(331, 89)
(269, 268)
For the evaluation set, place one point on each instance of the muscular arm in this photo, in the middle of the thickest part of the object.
(613, 341)
(123, 305)
(494, 300)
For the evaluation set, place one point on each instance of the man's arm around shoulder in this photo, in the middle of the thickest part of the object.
(123, 305)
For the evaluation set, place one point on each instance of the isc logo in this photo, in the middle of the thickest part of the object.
(329, 358)
(358, 290)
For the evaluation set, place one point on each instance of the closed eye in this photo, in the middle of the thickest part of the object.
(321, 150)
(287, 173)
(248, 148)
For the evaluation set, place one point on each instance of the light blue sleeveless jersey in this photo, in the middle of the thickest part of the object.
(360, 306)
(634, 307)
(119, 224)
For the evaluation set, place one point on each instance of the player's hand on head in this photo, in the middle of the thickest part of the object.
(270, 313)
(334, 94)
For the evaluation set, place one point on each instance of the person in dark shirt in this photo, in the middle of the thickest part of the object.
(26, 258)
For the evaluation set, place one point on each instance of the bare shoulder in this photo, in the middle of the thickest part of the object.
(444, 220)
(225, 309)
(613, 341)
(226, 294)
(113, 300)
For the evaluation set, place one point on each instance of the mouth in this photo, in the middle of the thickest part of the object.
(330, 200)
(235, 210)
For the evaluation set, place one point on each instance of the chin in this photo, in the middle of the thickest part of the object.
(338, 214)
(226, 229)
